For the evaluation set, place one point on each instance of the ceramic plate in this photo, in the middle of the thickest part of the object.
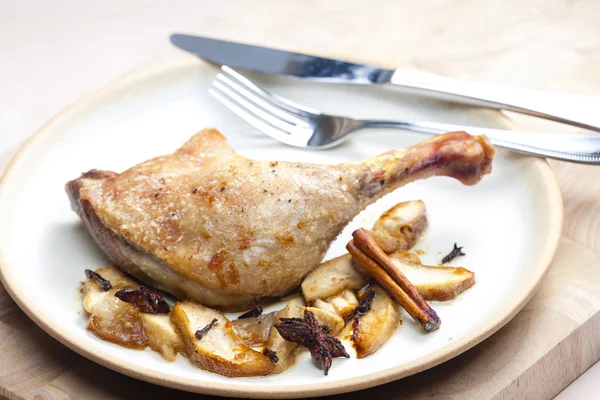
(509, 224)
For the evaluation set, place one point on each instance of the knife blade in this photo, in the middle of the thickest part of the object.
(545, 105)
(279, 62)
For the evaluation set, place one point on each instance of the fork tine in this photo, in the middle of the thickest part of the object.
(286, 104)
(254, 109)
(264, 104)
(254, 121)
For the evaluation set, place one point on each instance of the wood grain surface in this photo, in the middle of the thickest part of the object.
(535, 44)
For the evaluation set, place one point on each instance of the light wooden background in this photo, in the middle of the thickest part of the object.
(59, 51)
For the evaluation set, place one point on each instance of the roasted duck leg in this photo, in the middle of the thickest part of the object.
(206, 224)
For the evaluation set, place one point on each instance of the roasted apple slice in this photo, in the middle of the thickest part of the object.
(122, 323)
(331, 320)
(432, 282)
(342, 304)
(112, 319)
(370, 331)
(436, 283)
(406, 256)
(323, 305)
(219, 349)
(286, 351)
(398, 254)
(162, 336)
(399, 227)
(331, 278)
(254, 331)
(339, 274)
(397, 230)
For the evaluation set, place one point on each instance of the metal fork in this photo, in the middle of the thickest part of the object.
(300, 126)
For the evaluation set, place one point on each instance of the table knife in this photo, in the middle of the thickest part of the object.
(547, 105)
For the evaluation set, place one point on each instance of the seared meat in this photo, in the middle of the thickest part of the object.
(207, 224)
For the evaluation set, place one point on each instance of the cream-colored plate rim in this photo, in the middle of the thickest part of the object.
(456, 347)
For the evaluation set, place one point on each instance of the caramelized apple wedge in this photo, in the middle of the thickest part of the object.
(255, 331)
(397, 230)
(342, 304)
(406, 256)
(287, 351)
(432, 282)
(220, 349)
(399, 227)
(110, 318)
(370, 331)
(122, 323)
(162, 336)
(436, 283)
(333, 321)
(331, 278)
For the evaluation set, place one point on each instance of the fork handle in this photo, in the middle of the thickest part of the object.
(581, 148)
(547, 105)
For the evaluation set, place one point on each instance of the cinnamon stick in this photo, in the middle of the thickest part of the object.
(369, 256)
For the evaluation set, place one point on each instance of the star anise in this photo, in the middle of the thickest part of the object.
(308, 332)
(144, 299)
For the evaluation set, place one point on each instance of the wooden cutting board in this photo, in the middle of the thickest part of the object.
(551, 45)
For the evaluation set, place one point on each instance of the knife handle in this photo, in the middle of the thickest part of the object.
(545, 105)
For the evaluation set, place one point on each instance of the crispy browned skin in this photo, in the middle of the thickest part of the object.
(207, 224)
